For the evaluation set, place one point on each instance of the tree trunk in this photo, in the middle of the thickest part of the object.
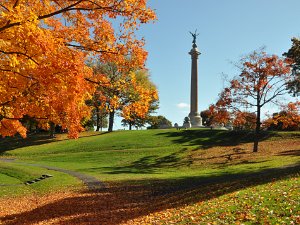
(111, 121)
(257, 130)
(52, 129)
(130, 126)
(30, 126)
(97, 119)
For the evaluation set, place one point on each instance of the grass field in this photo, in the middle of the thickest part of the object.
(275, 202)
(154, 177)
(14, 177)
(159, 154)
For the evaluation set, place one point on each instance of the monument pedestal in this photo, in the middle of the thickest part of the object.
(196, 120)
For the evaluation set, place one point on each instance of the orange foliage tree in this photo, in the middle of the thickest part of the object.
(262, 80)
(287, 119)
(44, 46)
(126, 91)
(243, 120)
(140, 99)
(218, 115)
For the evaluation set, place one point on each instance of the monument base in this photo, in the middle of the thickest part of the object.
(196, 120)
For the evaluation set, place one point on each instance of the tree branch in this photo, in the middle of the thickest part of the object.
(66, 9)
(264, 87)
(19, 53)
(89, 49)
(278, 92)
(16, 3)
(28, 77)
(92, 81)
(4, 7)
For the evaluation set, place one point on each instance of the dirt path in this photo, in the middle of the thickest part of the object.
(91, 182)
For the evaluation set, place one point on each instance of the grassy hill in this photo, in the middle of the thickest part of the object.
(157, 154)
(185, 177)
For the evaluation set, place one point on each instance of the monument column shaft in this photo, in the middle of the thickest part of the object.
(194, 116)
(194, 85)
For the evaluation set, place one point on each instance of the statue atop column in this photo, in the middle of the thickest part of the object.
(194, 37)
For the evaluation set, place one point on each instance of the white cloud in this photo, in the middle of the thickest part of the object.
(183, 105)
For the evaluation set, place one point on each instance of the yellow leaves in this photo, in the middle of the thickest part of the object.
(14, 61)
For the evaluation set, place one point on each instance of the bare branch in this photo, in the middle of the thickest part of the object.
(278, 92)
(271, 87)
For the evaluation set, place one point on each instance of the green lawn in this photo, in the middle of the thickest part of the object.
(142, 156)
(14, 176)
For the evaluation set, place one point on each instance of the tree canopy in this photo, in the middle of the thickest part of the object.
(287, 119)
(130, 93)
(43, 49)
(294, 54)
(160, 121)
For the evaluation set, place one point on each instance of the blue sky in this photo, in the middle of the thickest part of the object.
(228, 30)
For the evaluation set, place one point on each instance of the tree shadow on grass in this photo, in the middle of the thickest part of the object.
(122, 203)
(290, 153)
(150, 164)
(154, 164)
(207, 138)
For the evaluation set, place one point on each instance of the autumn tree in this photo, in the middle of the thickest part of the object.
(43, 49)
(108, 79)
(294, 53)
(287, 119)
(112, 84)
(98, 111)
(243, 120)
(138, 121)
(139, 100)
(128, 92)
(262, 80)
(219, 113)
(219, 116)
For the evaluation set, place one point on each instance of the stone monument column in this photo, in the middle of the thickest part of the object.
(194, 115)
